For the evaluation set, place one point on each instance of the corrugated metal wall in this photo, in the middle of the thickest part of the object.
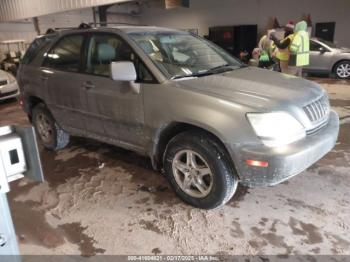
(11, 31)
(24, 29)
(11, 10)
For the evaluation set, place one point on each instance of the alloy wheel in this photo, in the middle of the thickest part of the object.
(343, 70)
(192, 173)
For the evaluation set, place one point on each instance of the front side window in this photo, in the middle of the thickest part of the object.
(314, 46)
(66, 54)
(327, 43)
(179, 54)
(103, 49)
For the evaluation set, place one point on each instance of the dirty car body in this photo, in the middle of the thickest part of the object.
(267, 126)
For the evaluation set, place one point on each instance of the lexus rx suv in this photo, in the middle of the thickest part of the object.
(205, 119)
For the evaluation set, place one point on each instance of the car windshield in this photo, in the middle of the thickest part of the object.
(328, 43)
(180, 54)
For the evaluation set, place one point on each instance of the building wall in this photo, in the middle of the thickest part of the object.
(25, 28)
(203, 14)
(65, 19)
(12, 10)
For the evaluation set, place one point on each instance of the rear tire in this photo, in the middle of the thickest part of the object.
(48, 131)
(342, 70)
(187, 158)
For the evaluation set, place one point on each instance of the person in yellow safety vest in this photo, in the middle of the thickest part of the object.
(283, 52)
(299, 49)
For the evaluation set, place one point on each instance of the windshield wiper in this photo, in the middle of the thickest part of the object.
(219, 67)
(222, 68)
(211, 71)
(206, 73)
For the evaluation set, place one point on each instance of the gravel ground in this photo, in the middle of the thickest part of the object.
(99, 199)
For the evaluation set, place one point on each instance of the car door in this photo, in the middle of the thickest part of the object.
(320, 57)
(61, 71)
(115, 111)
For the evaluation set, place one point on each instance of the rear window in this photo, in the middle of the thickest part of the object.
(35, 47)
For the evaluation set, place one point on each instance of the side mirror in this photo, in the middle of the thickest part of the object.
(123, 71)
(322, 50)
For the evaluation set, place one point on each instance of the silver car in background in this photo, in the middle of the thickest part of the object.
(8, 86)
(326, 57)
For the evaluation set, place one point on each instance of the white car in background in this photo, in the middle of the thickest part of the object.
(8, 86)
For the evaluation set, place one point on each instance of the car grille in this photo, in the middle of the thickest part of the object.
(3, 82)
(8, 93)
(317, 112)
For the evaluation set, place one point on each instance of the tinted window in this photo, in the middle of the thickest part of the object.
(66, 54)
(314, 46)
(106, 48)
(35, 47)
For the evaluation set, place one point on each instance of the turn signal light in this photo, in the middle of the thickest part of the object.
(257, 163)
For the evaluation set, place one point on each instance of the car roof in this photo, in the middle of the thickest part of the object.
(139, 29)
(123, 28)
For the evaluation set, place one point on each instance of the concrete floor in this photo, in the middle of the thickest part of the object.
(98, 199)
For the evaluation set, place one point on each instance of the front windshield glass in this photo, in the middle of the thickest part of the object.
(179, 54)
(328, 43)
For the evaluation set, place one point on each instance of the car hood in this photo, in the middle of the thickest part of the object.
(257, 88)
(3, 75)
(344, 50)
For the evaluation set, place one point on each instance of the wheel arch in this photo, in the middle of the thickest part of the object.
(31, 102)
(338, 62)
(166, 133)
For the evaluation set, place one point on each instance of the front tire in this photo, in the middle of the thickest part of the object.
(342, 70)
(48, 131)
(198, 169)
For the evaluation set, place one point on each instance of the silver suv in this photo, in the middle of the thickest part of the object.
(201, 116)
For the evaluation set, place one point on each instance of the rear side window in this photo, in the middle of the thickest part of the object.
(66, 54)
(35, 48)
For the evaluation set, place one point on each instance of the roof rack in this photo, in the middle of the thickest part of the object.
(84, 26)
(87, 26)
(81, 26)
(113, 23)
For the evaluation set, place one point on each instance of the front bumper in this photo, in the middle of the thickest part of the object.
(286, 162)
(9, 91)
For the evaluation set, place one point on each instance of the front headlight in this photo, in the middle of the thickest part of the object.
(11, 78)
(277, 128)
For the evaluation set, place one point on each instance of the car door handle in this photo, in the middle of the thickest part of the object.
(88, 85)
